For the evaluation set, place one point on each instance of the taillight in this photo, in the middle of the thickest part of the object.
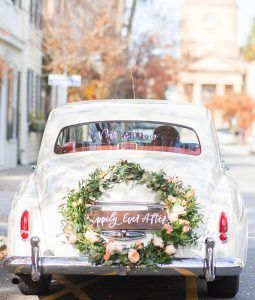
(25, 225)
(223, 227)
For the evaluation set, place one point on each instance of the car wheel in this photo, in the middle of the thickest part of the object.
(29, 287)
(223, 287)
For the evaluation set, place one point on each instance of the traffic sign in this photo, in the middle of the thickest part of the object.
(64, 80)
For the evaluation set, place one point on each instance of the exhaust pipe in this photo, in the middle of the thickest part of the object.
(15, 280)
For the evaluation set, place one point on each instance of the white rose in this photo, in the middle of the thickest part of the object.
(179, 210)
(113, 247)
(170, 249)
(158, 242)
(172, 217)
(92, 236)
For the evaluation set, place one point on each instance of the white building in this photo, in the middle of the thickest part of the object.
(20, 87)
(209, 35)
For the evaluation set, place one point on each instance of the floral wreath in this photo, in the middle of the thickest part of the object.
(178, 201)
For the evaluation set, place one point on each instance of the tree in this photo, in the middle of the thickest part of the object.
(249, 49)
(148, 74)
(101, 48)
(236, 109)
(90, 46)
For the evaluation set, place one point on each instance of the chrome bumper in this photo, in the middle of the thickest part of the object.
(37, 266)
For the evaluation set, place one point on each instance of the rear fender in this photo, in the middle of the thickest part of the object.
(24, 199)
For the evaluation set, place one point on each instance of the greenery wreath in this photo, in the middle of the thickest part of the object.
(178, 201)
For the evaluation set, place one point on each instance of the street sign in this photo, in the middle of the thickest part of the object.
(64, 80)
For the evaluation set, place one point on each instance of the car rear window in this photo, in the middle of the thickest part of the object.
(128, 135)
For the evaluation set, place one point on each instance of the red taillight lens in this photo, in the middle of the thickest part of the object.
(223, 227)
(25, 225)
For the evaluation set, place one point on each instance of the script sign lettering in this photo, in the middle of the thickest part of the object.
(135, 219)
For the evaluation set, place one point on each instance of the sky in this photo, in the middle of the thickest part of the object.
(171, 11)
(246, 11)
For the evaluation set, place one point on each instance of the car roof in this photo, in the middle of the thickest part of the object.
(172, 106)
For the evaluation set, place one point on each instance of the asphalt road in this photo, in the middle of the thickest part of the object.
(111, 287)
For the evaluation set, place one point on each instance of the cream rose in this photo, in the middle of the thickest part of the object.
(172, 217)
(133, 255)
(185, 228)
(183, 222)
(179, 210)
(158, 242)
(72, 238)
(92, 236)
(170, 249)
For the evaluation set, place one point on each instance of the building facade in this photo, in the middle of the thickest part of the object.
(20, 80)
(209, 38)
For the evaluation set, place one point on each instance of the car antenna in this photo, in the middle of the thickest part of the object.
(133, 84)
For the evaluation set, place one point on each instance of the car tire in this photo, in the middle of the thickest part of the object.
(223, 287)
(29, 287)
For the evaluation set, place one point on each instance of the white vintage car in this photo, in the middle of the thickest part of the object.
(128, 187)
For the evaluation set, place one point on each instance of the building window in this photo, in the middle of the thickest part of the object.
(38, 95)
(208, 90)
(10, 106)
(35, 13)
(229, 89)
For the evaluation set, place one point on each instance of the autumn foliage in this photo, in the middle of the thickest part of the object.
(236, 109)
(87, 39)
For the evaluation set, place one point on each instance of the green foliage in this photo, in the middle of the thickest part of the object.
(170, 192)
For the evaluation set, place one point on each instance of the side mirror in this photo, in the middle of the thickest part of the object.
(33, 167)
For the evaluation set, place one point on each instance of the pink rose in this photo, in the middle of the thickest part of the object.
(139, 244)
(168, 228)
(133, 255)
(107, 255)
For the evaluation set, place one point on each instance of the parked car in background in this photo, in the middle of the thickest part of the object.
(251, 144)
(129, 187)
(226, 136)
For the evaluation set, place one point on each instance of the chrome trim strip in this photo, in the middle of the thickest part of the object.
(124, 235)
(81, 266)
(98, 204)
